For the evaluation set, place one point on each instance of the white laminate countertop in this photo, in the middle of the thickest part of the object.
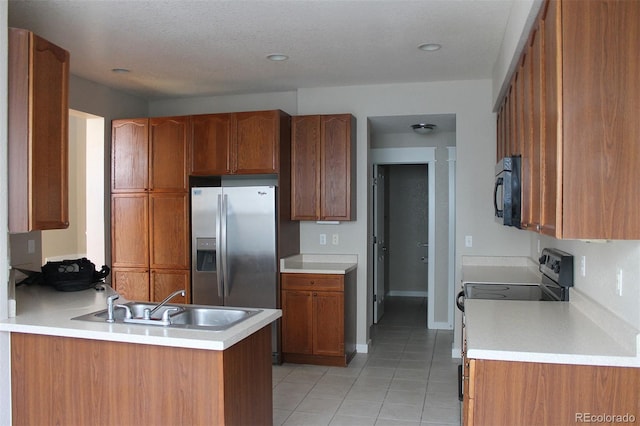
(319, 263)
(515, 270)
(43, 310)
(547, 332)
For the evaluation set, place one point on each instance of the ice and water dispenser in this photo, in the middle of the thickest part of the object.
(206, 254)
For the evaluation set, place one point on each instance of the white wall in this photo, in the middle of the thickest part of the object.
(285, 101)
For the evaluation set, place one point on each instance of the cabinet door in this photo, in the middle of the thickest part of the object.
(536, 126)
(305, 164)
(164, 282)
(130, 155)
(600, 119)
(337, 164)
(211, 141)
(129, 230)
(515, 119)
(38, 117)
(168, 148)
(50, 126)
(551, 189)
(131, 283)
(297, 323)
(328, 323)
(257, 142)
(169, 230)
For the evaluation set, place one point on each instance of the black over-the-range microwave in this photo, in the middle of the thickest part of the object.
(507, 191)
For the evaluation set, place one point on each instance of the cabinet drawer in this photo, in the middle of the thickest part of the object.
(312, 282)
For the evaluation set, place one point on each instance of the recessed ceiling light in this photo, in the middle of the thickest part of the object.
(429, 47)
(277, 57)
(120, 70)
(423, 128)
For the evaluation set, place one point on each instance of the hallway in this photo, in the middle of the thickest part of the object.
(407, 378)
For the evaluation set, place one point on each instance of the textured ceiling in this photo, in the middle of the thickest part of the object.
(183, 48)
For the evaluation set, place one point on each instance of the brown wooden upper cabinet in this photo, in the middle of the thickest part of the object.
(150, 154)
(38, 131)
(323, 167)
(250, 142)
(581, 104)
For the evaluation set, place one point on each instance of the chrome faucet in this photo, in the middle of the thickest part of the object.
(148, 312)
(110, 307)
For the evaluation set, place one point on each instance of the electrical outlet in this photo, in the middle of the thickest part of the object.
(335, 239)
(468, 241)
(619, 281)
(323, 239)
(583, 266)
(31, 246)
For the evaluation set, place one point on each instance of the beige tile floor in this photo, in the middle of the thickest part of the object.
(407, 378)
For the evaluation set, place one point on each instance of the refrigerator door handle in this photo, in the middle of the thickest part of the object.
(223, 230)
(218, 247)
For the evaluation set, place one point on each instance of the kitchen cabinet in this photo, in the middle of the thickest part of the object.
(586, 147)
(512, 393)
(150, 207)
(130, 155)
(38, 132)
(318, 318)
(323, 167)
(253, 142)
(150, 237)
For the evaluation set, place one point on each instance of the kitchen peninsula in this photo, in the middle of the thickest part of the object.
(76, 372)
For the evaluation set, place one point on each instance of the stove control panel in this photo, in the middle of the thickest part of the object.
(557, 265)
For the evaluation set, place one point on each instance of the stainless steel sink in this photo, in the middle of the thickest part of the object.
(196, 317)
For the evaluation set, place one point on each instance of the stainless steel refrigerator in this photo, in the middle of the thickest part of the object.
(233, 249)
(233, 240)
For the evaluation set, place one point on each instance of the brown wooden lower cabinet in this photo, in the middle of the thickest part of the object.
(67, 381)
(318, 318)
(527, 393)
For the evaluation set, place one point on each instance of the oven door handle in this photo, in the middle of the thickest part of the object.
(460, 301)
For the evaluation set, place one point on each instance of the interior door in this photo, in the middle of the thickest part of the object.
(379, 244)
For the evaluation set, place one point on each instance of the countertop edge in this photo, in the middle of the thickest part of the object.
(331, 264)
(552, 358)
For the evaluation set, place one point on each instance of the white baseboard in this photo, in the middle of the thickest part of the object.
(363, 349)
(456, 352)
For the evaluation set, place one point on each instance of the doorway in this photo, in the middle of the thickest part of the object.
(401, 217)
(85, 236)
(404, 226)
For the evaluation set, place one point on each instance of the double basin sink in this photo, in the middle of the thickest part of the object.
(196, 317)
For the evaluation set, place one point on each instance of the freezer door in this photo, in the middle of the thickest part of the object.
(205, 247)
(251, 264)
